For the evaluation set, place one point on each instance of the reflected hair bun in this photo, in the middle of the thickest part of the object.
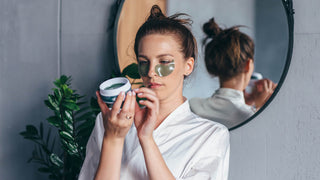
(227, 51)
(211, 28)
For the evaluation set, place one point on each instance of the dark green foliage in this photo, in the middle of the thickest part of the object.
(74, 122)
(131, 71)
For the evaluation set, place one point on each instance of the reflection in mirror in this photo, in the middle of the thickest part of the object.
(265, 22)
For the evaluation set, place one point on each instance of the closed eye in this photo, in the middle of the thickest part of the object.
(166, 61)
(143, 62)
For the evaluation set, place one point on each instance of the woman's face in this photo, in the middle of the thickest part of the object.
(158, 52)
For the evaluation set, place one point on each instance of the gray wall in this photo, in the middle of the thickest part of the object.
(281, 143)
(30, 60)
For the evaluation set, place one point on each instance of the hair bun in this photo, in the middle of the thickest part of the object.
(156, 13)
(211, 28)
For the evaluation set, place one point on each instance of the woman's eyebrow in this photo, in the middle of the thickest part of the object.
(162, 55)
(142, 56)
(158, 56)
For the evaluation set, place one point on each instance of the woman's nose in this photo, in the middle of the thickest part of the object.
(151, 71)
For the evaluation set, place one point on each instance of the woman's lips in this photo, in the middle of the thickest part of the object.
(154, 85)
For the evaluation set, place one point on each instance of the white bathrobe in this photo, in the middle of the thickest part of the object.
(192, 147)
(226, 106)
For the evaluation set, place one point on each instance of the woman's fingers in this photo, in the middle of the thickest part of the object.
(147, 94)
(104, 108)
(117, 104)
(127, 102)
(150, 99)
(144, 90)
(148, 104)
(129, 106)
(133, 102)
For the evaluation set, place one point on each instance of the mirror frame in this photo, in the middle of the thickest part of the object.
(288, 7)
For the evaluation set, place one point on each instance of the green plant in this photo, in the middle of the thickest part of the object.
(73, 121)
(131, 71)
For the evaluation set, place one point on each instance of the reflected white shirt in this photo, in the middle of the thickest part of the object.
(192, 147)
(226, 106)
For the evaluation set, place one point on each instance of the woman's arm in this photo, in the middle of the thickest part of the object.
(117, 123)
(145, 122)
(110, 159)
(156, 166)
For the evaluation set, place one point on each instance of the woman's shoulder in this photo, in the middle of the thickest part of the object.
(213, 135)
(207, 122)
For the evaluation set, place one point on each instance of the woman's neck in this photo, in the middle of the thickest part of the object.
(167, 106)
(238, 83)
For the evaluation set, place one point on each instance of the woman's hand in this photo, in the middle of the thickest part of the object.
(116, 121)
(146, 118)
(262, 91)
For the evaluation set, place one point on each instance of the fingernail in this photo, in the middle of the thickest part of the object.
(129, 93)
(135, 89)
(122, 93)
(133, 93)
(140, 94)
(141, 101)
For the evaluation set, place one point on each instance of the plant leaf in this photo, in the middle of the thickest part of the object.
(81, 103)
(44, 170)
(56, 160)
(30, 159)
(68, 115)
(68, 126)
(66, 90)
(87, 124)
(82, 109)
(71, 148)
(53, 102)
(67, 136)
(32, 130)
(62, 80)
(48, 104)
(54, 120)
(57, 94)
(71, 106)
(131, 71)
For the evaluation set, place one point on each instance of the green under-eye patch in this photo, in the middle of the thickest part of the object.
(143, 68)
(164, 69)
(160, 69)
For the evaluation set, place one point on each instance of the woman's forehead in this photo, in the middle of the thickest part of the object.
(158, 44)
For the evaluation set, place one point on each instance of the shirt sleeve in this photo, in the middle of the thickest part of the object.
(211, 162)
(93, 151)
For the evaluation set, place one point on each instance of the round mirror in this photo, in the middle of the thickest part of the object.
(265, 21)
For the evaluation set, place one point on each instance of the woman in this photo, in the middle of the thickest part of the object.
(229, 55)
(166, 140)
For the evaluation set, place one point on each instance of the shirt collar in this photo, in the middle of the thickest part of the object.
(230, 93)
(175, 116)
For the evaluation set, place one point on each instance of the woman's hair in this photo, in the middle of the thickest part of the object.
(227, 51)
(158, 23)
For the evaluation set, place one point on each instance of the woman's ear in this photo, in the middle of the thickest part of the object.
(249, 65)
(189, 65)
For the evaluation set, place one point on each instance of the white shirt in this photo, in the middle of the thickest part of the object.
(192, 147)
(226, 106)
